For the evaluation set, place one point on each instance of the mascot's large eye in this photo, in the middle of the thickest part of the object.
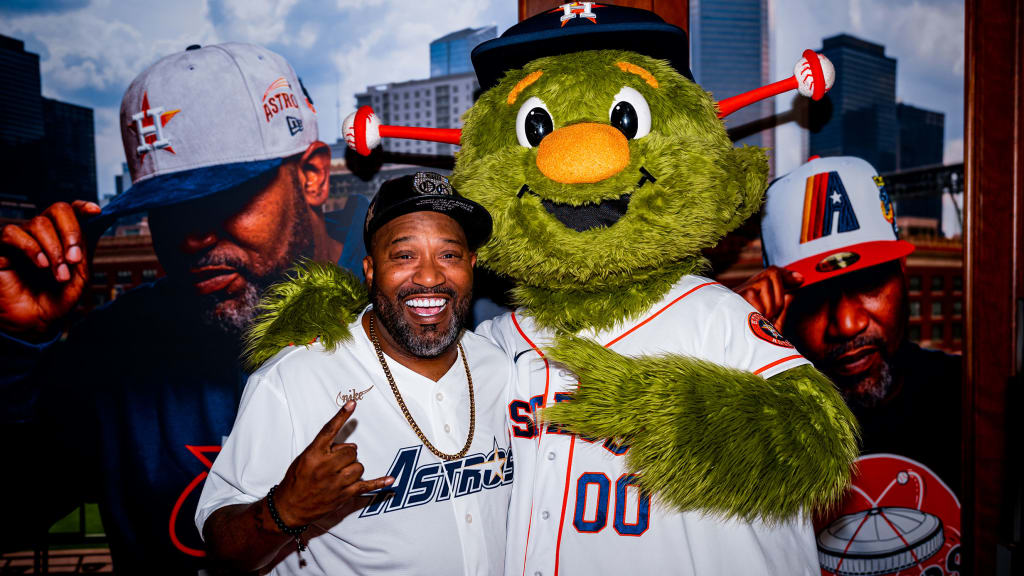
(630, 113)
(533, 122)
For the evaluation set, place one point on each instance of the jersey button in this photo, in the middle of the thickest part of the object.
(537, 573)
(551, 455)
(469, 518)
(447, 429)
(439, 396)
(545, 515)
(563, 373)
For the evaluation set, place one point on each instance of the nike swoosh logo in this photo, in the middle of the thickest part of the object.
(518, 354)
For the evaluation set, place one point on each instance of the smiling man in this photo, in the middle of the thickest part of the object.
(430, 425)
(224, 154)
(835, 283)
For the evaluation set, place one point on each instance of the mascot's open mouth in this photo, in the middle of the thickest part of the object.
(590, 215)
(586, 216)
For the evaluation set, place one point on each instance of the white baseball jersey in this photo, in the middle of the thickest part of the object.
(438, 517)
(576, 510)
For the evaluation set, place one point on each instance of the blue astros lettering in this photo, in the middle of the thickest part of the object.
(522, 414)
(417, 485)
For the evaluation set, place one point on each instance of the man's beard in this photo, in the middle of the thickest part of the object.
(430, 343)
(870, 389)
(231, 316)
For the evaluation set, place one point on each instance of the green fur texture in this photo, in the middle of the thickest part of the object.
(317, 301)
(704, 189)
(703, 436)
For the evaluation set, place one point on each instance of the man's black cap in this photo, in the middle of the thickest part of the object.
(571, 28)
(426, 192)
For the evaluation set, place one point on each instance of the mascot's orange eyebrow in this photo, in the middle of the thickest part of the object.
(530, 79)
(634, 69)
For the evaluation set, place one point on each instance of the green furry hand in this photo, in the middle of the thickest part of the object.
(317, 301)
(706, 437)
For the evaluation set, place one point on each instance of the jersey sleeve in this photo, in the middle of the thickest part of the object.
(257, 452)
(500, 331)
(738, 336)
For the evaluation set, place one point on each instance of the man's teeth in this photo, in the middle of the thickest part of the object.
(426, 302)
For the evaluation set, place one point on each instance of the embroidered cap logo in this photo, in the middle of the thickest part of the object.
(578, 9)
(824, 197)
(149, 127)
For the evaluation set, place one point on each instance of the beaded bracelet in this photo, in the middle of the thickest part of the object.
(295, 533)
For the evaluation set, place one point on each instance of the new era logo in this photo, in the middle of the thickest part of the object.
(294, 125)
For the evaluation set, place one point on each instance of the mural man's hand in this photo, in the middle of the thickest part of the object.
(43, 269)
(324, 478)
(768, 292)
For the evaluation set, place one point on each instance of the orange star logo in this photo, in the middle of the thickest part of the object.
(149, 133)
(578, 10)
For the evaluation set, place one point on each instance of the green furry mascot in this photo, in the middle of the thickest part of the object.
(651, 403)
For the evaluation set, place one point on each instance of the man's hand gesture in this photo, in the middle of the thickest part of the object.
(324, 478)
(43, 269)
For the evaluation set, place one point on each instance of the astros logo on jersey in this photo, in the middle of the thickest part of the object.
(764, 330)
(417, 484)
(824, 197)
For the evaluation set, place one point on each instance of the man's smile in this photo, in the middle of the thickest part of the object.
(427, 308)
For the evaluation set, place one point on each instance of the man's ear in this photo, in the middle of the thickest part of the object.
(314, 173)
(368, 270)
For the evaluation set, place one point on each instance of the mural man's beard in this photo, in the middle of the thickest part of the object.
(231, 315)
(871, 388)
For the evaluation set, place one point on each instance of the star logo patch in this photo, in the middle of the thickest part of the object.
(149, 128)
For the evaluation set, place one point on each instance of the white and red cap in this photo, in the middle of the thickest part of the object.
(828, 217)
(207, 119)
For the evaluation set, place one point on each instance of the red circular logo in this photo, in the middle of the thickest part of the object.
(897, 518)
(764, 330)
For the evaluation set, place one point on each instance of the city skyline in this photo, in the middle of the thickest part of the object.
(90, 51)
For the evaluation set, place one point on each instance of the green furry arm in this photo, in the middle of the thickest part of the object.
(316, 301)
(706, 437)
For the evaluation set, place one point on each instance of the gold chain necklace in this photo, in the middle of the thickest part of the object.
(405, 410)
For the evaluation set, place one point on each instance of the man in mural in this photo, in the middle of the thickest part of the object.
(835, 285)
(130, 406)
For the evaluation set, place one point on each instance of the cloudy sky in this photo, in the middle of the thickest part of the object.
(925, 36)
(90, 50)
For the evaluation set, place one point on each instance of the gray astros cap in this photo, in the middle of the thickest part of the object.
(207, 119)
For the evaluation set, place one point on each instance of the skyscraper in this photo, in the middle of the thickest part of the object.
(21, 119)
(70, 150)
(449, 54)
(730, 53)
(863, 120)
(921, 136)
(47, 147)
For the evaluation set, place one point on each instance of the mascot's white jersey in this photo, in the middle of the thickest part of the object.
(575, 510)
(438, 517)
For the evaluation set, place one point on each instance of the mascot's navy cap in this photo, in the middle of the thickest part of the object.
(577, 27)
(426, 192)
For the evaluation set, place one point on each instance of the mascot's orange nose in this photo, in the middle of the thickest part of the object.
(583, 153)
